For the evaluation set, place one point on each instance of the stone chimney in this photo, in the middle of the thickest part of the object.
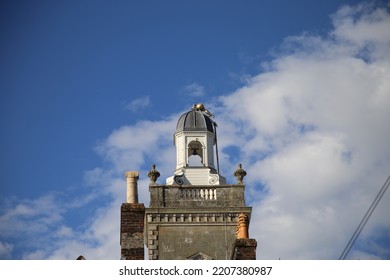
(132, 186)
(244, 248)
(132, 221)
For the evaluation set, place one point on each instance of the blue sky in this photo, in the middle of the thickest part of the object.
(91, 89)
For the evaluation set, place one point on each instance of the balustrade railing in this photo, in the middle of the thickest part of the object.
(198, 193)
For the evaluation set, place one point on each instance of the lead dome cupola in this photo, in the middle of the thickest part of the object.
(195, 139)
(198, 119)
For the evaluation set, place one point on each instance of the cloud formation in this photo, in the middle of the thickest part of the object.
(194, 90)
(310, 129)
(5, 250)
(138, 104)
(314, 131)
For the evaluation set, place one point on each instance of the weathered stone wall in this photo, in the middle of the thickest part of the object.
(182, 242)
(179, 233)
(197, 222)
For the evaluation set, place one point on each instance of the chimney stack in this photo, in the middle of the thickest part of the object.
(242, 227)
(132, 221)
(132, 186)
(244, 248)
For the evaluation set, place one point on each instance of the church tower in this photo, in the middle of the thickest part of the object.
(194, 214)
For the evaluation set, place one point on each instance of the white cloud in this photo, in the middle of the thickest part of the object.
(5, 250)
(127, 148)
(194, 90)
(35, 215)
(319, 115)
(138, 104)
(365, 26)
(64, 232)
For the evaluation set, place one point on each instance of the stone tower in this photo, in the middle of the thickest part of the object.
(194, 214)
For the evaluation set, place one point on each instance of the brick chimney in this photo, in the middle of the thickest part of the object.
(132, 221)
(244, 248)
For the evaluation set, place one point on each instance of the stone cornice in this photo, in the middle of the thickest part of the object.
(191, 216)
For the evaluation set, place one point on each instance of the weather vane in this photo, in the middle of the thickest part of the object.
(201, 107)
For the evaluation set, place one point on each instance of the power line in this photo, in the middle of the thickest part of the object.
(365, 219)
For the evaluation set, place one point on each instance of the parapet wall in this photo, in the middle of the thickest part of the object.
(162, 196)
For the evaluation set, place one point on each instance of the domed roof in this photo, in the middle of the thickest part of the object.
(195, 120)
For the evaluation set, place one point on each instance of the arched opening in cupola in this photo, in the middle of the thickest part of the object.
(195, 154)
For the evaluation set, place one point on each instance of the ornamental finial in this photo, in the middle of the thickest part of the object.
(153, 174)
(240, 174)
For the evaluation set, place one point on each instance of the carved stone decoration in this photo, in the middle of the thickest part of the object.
(213, 179)
(153, 174)
(240, 174)
(179, 180)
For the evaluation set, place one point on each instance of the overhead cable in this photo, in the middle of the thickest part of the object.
(365, 219)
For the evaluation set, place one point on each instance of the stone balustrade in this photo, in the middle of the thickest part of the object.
(198, 193)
